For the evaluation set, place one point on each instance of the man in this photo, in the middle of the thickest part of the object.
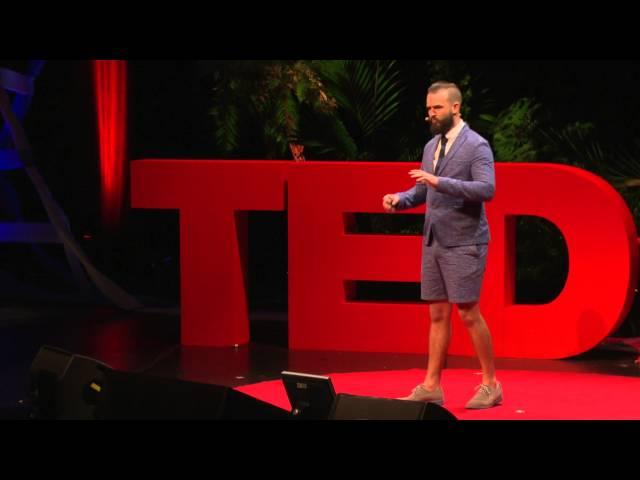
(456, 177)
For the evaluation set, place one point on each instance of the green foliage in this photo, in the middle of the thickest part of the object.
(514, 131)
(573, 144)
(336, 108)
(368, 95)
(266, 98)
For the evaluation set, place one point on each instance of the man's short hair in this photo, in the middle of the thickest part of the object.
(455, 96)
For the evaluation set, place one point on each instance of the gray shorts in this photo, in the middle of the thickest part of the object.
(452, 274)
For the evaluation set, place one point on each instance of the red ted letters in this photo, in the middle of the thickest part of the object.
(213, 197)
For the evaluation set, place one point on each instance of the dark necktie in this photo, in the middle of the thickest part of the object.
(443, 145)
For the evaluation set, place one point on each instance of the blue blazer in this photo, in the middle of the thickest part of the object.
(455, 213)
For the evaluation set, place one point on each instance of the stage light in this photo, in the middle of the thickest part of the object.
(110, 83)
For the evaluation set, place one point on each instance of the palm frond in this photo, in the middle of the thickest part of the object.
(225, 116)
(514, 131)
(367, 91)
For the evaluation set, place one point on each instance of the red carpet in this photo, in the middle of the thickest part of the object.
(528, 395)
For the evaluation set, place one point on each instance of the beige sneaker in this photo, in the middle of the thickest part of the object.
(486, 397)
(419, 394)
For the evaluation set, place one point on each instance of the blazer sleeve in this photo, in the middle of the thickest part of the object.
(413, 197)
(482, 185)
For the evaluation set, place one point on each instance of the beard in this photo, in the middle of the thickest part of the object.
(441, 126)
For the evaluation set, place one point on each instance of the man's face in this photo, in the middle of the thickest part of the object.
(440, 111)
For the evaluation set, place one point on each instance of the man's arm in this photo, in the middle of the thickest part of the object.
(483, 186)
(413, 197)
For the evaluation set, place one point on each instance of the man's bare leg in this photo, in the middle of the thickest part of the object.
(439, 335)
(481, 339)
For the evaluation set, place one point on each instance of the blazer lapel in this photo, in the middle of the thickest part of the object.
(428, 160)
(462, 137)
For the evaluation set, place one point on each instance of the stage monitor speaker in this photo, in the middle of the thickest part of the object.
(137, 396)
(63, 385)
(353, 407)
(311, 396)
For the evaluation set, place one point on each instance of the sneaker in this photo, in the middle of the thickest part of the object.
(419, 394)
(486, 397)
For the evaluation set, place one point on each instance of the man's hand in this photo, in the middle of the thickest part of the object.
(426, 179)
(389, 202)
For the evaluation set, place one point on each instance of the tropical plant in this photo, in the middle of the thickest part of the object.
(513, 131)
(368, 94)
(258, 103)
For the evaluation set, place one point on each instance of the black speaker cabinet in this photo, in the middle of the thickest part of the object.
(63, 385)
(135, 396)
(353, 407)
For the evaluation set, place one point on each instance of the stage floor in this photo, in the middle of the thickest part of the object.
(149, 342)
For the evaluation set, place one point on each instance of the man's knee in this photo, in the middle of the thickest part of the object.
(469, 314)
(440, 312)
